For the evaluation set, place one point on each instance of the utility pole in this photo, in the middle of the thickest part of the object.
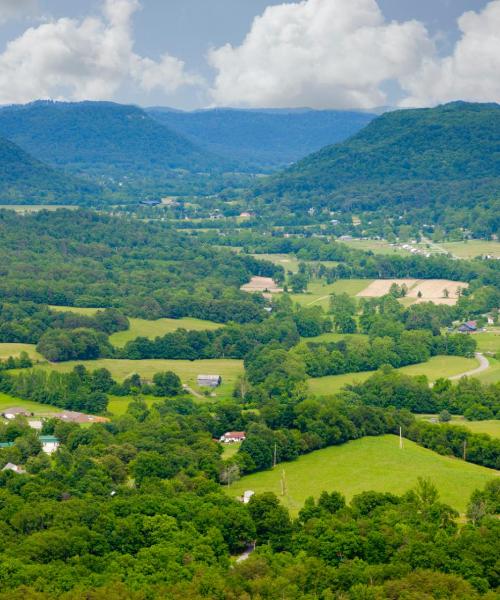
(465, 449)
(283, 483)
(275, 454)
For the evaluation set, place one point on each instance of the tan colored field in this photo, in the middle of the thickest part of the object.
(262, 284)
(431, 290)
(381, 287)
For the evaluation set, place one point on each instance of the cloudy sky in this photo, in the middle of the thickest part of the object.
(251, 53)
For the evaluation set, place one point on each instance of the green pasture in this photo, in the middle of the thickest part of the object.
(436, 367)
(230, 450)
(489, 341)
(375, 246)
(371, 463)
(319, 292)
(472, 248)
(187, 370)
(288, 261)
(7, 401)
(118, 405)
(76, 309)
(325, 338)
(491, 375)
(160, 327)
(15, 350)
(491, 427)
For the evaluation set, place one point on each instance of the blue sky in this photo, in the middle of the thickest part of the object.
(194, 53)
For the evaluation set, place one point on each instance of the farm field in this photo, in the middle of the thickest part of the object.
(187, 370)
(491, 375)
(375, 246)
(160, 327)
(14, 350)
(31, 208)
(7, 401)
(436, 367)
(491, 427)
(431, 290)
(118, 405)
(371, 463)
(335, 337)
(319, 292)
(288, 261)
(230, 450)
(489, 341)
(76, 309)
(472, 248)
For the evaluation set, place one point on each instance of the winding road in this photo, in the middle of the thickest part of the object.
(484, 364)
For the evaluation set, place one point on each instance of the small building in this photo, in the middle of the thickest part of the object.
(49, 443)
(14, 468)
(233, 437)
(12, 413)
(247, 496)
(36, 424)
(469, 327)
(246, 215)
(150, 202)
(6, 445)
(212, 381)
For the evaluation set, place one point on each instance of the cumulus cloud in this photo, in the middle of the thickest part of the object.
(319, 53)
(471, 72)
(10, 9)
(88, 59)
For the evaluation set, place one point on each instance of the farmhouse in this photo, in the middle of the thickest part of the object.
(209, 380)
(14, 468)
(247, 496)
(49, 443)
(469, 327)
(150, 202)
(233, 437)
(12, 413)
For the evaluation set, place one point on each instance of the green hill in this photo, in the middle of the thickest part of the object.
(263, 139)
(24, 179)
(371, 463)
(419, 158)
(119, 146)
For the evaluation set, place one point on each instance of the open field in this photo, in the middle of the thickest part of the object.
(431, 290)
(34, 407)
(288, 261)
(118, 404)
(335, 337)
(7, 350)
(76, 309)
(491, 375)
(375, 246)
(371, 463)
(230, 450)
(187, 370)
(319, 292)
(261, 284)
(436, 367)
(160, 327)
(489, 341)
(472, 248)
(489, 427)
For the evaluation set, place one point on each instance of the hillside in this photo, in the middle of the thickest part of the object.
(112, 143)
(425, 157)
(24, 179)
(263, 139)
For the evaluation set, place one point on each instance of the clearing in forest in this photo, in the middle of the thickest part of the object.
(262, 284)
(438, 291)
(15, 350)
(371, 463)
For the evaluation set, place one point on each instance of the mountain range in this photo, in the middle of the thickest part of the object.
(262, 140)
(449, 155)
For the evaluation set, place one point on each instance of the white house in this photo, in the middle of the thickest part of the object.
(247, 495)
(233, 437)
(49, 443)
(14, 468)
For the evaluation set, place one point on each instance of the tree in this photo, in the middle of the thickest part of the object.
(167, 384)
(444, 416)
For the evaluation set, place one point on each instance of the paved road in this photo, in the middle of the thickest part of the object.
(484, 364)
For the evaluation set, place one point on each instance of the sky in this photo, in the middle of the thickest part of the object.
(344, 54)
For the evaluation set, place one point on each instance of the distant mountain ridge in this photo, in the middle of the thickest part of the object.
(262, 139)
(418, 157)
(26, 180)
(102, 139)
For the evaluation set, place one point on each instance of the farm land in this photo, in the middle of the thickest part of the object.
(371, 463)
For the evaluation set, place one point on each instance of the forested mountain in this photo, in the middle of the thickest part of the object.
(263, 139)
(119, 146)
(421, 158)
(24, 179)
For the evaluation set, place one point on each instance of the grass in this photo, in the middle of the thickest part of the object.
(152, 329)
(76, 309)
(325, 338)
(371, 463)
(7, 350)
(7, 401)
(187, 370)
(29, 208)
(375, 246)
(118, 404)
(436, 367)
(230, 450)
(491, 375)
(472, 248)
(489, 427)
(319, 292)
(489, 341)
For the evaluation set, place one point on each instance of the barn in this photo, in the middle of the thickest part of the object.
(212, 381)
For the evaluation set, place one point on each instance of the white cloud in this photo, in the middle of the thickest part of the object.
(319, 53)
(471, 72)
(88, 59)
(11, 9)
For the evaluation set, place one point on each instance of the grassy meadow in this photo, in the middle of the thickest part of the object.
(160, 327)
(7, 401)
(76, 309)
(371, 463)
(15, 350)
(187, 370)
(491, 375)
(436, 367)
(472, 248)
(319, 292)
(489, 341)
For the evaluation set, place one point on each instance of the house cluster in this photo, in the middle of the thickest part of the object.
(468, 327)
(233, 437)
(413, 250)
(49, 443)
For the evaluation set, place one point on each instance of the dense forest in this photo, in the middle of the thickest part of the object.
(263, 140)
